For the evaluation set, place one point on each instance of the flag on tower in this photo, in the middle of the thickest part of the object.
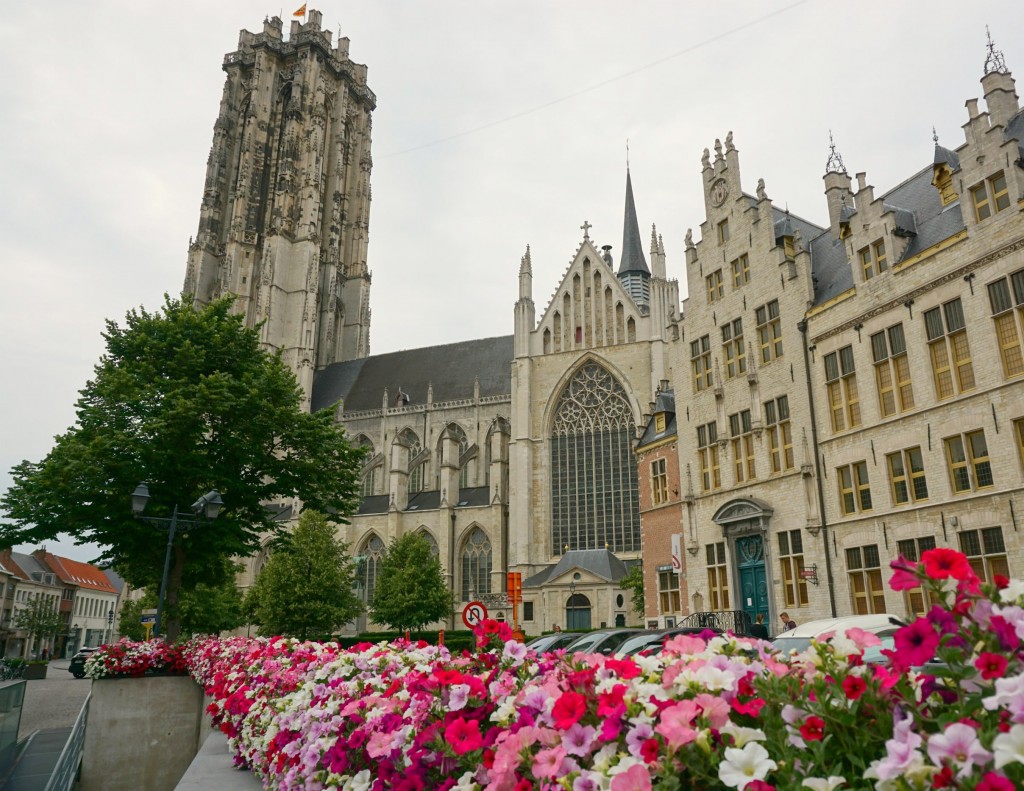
(301, 11)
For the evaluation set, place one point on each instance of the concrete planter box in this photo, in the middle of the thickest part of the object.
(35, 671)
(142, 733)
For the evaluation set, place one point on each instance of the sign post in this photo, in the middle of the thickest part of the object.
(514, 589)
(148, 621)
(473, 614)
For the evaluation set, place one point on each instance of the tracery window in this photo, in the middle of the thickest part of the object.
(426, 536)
(594, 491)
(476, 565)
(368, 571)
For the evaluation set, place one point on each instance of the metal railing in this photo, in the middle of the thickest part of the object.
(65, 772)
(735, 621)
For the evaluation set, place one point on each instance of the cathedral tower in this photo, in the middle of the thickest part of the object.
(286, 205)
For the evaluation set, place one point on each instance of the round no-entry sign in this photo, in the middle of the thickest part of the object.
(473, 614)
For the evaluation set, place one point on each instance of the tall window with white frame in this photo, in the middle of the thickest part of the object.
(854, 488)
(986, 552)
(841, 384)
(917, 600)
(780, 434)
(668, 591)
(769, 331)
(1006, 298)
(707, 450)
(733, 348)
(892, 371)
(659, 482)
(906, 476)
(864, 574)
(742, 446)
(948, 349)
(718, 578)
(791, 559)
(967, 457)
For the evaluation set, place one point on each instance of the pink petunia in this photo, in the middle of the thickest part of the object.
(904, 575)
(958, 745)
(915, 644)
(463, 736)
(636, 778)
(714, 709)
(547, 763)
(676, 722)
(942, 563)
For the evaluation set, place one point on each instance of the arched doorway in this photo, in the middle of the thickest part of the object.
(577, 612)
(744, 525)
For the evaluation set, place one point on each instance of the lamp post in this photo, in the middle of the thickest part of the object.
(572, 605)
(209, 504)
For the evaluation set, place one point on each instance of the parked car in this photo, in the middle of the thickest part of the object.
(653, 641)
(798, 639)
(77, 666)
(603, 641)
(552, 642)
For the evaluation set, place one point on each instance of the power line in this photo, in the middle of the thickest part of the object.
(596, 86)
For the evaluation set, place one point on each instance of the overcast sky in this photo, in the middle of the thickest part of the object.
(499, 124)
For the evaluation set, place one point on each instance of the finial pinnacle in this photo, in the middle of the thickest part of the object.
(994, 61)
(627, 153)
(835, 160)
(935, 135)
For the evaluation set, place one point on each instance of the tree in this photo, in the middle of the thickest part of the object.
(187, 401)
(305, 588)
(39, 618)
(130, 623)
(212, 609)
(411, 591)
(634, 582)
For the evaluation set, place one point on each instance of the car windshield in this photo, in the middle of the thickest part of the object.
(586, 642)
(788, 644)
(639, 642)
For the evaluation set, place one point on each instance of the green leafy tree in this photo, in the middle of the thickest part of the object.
(634, 583)
(212, 609)
(411, 590)
(305, 588)
(187, 401)
(130, 623)
(40, 619)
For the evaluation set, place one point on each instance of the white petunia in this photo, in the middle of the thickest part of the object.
(822, 784)
(742, 766)
(1009, 747)
(743, 735)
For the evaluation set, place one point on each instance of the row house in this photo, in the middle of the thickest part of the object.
(847, 395)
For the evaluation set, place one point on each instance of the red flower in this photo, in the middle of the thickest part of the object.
(463, 736)
(623, 668)
(915, 644)
(813, 730)
(759, 785)
(991, 665)
(568, 710)
(854, 687)
(991, 782)
(904, 576)
(649, 750)
(609, 704)
(941, 563)
(524, 785)
(1000, 581)
(751, 707)
(943, 779)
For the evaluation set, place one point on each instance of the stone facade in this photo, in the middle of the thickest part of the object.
(840, 394)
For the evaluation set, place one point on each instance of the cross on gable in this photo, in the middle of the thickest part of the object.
(586, 230)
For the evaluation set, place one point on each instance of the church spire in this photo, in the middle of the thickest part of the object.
(632, 258)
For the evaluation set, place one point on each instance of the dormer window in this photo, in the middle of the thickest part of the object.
(723, 231)
(659, 422)
(873, 259)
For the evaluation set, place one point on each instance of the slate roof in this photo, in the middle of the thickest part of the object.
(632, 258)
(665, 402)
(600, 562)
(450, 369)
(374, 504)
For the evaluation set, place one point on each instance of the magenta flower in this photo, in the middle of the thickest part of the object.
(915, 644)
(463, 736)
(904, 575)
(568, 710)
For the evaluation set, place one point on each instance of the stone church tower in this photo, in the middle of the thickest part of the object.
(286, 205)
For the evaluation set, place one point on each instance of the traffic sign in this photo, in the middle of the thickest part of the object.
(473, 614)
(147, 619)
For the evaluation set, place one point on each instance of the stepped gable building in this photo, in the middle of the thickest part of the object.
(830, 397)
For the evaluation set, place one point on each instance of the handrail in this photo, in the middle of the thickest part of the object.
(66, 770)
(735, 621)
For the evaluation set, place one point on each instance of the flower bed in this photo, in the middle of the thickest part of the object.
(722, 712)
(128, 659)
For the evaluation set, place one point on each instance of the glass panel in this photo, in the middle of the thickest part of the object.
(999, 296)
(933, 323)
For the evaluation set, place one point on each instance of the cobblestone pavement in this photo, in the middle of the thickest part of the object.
(54, 701)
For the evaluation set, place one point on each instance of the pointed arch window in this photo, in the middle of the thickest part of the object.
(429, 538)
(476, 565)
(368, 571)
(594, 491)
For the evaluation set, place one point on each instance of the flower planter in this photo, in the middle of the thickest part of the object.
(35, 671)
(141, 733)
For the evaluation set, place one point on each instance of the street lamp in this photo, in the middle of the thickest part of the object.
(572, 605)
(209, 504)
